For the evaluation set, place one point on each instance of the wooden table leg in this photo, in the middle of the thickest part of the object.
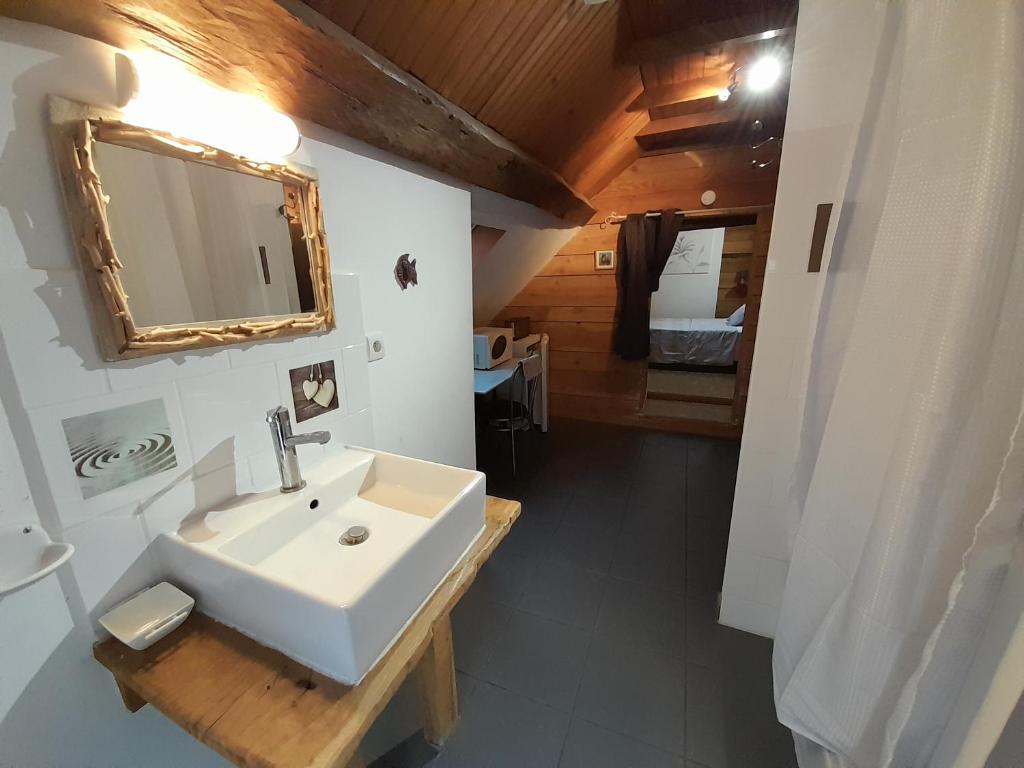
(435, 679)
(131, 699)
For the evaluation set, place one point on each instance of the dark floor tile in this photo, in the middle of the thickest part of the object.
(564, 593)
(505, 575)
(505, 730)
(652, 548)
(591, 746)
(545, 503)
(608, 483)
(413, 752)
(465, 685)
(707, 533)
(705, 570)
(476, 625)
(598, 510)
(730, 722)
(640, 694)
(661, 488)
(538, 658)
(584, 545)
(645, 617)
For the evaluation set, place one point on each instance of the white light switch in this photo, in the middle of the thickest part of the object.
(374, 346)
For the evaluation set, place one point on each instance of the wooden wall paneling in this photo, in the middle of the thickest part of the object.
(590, 238)
(560, 314)
(737, 253)
(759, 259)
(594, 290)
(570, 264)
(323, 75)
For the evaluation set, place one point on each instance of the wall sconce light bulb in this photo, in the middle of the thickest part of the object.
(169, 98)
(724, 94)
(764, 73)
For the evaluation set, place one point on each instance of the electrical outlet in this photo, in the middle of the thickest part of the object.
(374, 346)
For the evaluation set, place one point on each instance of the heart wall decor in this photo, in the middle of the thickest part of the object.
(315, 390)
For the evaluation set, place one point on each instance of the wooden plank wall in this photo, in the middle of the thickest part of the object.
(574, 303)
(736, 254)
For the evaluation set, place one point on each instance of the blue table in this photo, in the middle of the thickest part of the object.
(488, 381)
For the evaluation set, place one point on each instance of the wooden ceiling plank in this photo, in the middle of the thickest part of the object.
(526, 62)
(487, 70)
(405, 24)
(556, 69)
(327, 77)
(432, 54)
(345, 13)
(482, 31)
(374, 22)
(699, 37)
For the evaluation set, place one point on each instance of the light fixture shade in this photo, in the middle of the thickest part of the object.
(169, 98)
(764, 73)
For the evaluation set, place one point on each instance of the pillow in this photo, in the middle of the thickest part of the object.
(736, 318)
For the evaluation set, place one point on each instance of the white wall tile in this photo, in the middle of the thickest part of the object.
(53, 354)
(164, 512)
(111, 560)
(225, 413)
(146, 371)
(261, 352)
(357, 378)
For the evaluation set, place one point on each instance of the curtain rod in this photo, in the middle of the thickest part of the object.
(701, 213)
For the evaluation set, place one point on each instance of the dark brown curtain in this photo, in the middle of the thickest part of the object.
(643, 249)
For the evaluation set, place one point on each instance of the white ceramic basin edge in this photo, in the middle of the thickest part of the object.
(272, 566)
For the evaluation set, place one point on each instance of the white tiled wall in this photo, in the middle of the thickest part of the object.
(832, 62)
(216, 401)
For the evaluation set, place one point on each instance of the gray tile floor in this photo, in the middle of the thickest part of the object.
(589, 639)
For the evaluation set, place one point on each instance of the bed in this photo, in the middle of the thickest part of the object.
(694, 341)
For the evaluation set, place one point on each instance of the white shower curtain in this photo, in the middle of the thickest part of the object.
(910, 479)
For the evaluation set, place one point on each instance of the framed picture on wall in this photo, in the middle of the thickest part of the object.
(604, 259)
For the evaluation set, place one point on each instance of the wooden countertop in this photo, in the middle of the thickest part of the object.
(257, 707)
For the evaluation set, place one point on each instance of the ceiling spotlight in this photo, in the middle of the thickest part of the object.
(764, 73)
(724, 94)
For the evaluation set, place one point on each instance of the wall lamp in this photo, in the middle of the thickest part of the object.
(758, 77)
(156, 91)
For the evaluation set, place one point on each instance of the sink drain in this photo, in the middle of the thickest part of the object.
(357, 534)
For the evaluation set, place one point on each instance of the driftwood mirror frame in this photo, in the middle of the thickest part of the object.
(75, 128)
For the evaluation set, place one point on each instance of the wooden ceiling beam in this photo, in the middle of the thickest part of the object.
(676, 93)
(310, 68)
(720, 127)
(739, 30)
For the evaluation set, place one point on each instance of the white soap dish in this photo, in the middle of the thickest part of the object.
(150, 615)
(27, 554)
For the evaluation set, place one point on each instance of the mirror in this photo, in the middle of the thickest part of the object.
(186, 246)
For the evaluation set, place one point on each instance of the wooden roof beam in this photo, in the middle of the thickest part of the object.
(720, 127)
(698, 37)
(676, 93)
(310, 68)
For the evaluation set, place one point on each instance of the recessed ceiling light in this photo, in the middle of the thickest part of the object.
(764, 73)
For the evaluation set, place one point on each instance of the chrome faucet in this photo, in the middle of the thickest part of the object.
(284, 447)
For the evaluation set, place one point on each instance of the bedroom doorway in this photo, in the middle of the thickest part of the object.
(703, 321)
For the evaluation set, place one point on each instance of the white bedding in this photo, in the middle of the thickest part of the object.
(696, 341)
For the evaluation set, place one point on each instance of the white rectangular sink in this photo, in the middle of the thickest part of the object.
(277, 568)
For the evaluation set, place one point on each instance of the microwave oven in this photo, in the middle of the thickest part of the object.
(491, 347)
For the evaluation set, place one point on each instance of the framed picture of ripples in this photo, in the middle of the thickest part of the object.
(118, 446)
